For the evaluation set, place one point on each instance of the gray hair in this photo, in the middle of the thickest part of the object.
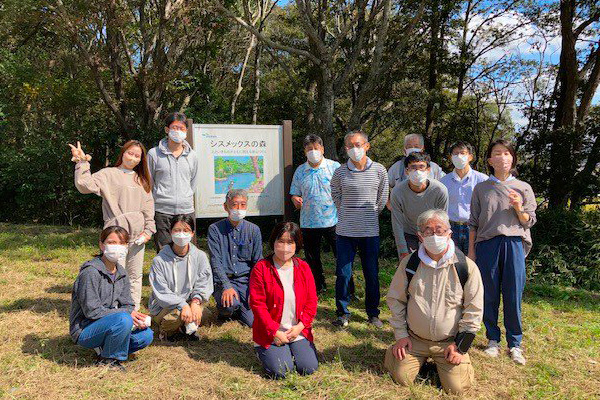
(428, 215)
(414, 135)
(354, 133)
(236, 193)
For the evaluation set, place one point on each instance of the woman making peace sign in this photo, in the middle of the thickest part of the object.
(126, 201)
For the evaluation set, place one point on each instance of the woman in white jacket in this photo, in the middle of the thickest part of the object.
(182, 282)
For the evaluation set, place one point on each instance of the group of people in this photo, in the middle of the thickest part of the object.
(461, 240)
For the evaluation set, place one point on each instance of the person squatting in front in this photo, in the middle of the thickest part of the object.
(102, 314)
(436, 301)
(283, 297)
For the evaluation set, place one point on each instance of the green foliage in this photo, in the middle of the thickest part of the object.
(566, 249)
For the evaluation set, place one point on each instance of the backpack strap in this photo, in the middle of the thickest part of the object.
(411, 268)
(462, 269)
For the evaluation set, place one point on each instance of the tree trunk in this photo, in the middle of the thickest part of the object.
(256, 99)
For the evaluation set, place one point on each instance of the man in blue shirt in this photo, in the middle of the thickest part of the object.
(311, 194)
(235, 246)
(460, 184)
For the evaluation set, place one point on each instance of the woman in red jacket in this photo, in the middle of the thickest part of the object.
(283, 298)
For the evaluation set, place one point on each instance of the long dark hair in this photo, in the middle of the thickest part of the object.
(511, 149)
(119, 230)
(141, 170)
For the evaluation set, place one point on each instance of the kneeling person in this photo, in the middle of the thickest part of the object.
(235, 246)
(182, 282)
(436, 300)
(102, 310)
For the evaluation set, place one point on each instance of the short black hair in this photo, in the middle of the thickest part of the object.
(511, 150)
(311, 139)
(175, 116)
(292, 228)
(187, 219)
(461, 145)
(417, 156)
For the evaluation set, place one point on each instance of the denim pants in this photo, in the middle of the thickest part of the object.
(240, 310)
(501, 261)
(460, 235)
(300, 356)
(368, 248)
(113, 334)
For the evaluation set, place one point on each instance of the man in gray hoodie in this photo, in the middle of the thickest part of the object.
(182, 283)
(173, 165)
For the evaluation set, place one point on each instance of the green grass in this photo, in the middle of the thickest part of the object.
(38, 360)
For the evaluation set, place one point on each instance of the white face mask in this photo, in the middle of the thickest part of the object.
(285, 251)
(181, 238)
(460, 161)
(314, 156)
(435, 244)
(412, 150)
(114, 252)
(237, 215)
(177, 136)
(417, 178)
(356, 153)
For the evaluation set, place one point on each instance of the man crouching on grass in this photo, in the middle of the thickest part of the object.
(436, 300)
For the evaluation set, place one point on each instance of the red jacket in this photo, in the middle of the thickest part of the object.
(266, 299)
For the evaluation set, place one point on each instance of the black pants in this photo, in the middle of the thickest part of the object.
(162, 237)
(312, 250)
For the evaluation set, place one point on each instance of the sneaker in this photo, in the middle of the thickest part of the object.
(517, 355)
(111, 363)
(492, 349)
(377, 323)
(341, 321)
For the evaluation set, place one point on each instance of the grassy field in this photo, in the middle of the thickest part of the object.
(38, 359)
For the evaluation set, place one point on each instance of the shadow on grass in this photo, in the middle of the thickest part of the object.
(60, 350)
(65, 289)
(362, 357)
(39, 305)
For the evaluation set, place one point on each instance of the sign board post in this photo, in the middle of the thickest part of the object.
(257, 158)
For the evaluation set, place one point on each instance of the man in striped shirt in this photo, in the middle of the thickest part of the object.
(360, 190)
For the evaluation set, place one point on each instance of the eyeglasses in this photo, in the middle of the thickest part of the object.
(438, 231)
(418, 167)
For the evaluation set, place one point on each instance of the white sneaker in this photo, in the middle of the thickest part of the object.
(517, 355)
(492, 349)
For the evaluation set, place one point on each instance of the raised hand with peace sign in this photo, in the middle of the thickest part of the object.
(78, 154)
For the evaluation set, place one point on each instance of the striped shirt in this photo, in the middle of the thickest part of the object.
(359, 197)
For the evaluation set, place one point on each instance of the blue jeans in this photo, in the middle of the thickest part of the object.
(300, 356)
(113, 334)
(368, 248)
(501, 261)
(240, 310)
(460, 235)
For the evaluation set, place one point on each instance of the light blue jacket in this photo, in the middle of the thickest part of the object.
(174, 179)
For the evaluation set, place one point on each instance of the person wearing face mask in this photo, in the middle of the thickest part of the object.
(235, 246)
(359, 189)
(413, 142)
(173, 165)
(283, 298)
(411, 198)
(502, 214)
(436, 301)
(460, 184)
(182, 283)
(102, 315)
(126, 201)
(311, 194)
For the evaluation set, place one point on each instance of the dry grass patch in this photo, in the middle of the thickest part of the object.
(38, 360)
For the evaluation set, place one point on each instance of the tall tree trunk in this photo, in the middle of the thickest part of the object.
(240, 87)
(433, 72)
(257, 73)
(561, 163)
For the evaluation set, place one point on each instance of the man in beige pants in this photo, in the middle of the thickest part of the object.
(436, 302)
